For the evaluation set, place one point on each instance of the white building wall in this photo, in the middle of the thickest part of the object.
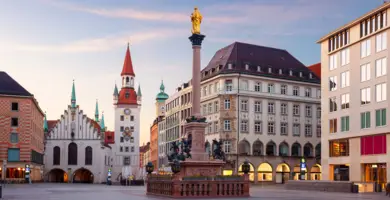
(86, 134)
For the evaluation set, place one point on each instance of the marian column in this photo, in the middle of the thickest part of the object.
(195, 127)
(196, 40)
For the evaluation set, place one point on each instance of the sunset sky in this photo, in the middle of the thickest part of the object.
(45, 44)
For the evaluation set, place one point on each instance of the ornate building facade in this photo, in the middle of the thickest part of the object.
(75, 147)
(265, 107)
(127, 104)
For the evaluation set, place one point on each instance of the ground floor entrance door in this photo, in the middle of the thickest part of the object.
(375, 173)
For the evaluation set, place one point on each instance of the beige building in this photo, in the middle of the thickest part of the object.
(178, 107)
(354, 92)
(265, 107)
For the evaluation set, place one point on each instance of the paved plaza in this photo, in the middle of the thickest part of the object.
(103, 192)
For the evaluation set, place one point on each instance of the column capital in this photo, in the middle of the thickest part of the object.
(196, 39)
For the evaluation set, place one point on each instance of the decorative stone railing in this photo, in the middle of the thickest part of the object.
(199, 187)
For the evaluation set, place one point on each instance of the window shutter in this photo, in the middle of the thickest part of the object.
(342, 123)
(378, 117)
(362, 121)
(383, 117)
(368, 119)
(347, 123)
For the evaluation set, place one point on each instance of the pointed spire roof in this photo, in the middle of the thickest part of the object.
(162, 96)
(102, 125)
(73, 99)
(97, 111)
(139, 91)
(45, 126)
(162, 87)
(116, 93)
(128, 64)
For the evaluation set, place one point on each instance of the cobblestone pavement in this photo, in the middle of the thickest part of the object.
(102, 192)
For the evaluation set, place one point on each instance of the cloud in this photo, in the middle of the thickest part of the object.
(138, 14)
(99, 44)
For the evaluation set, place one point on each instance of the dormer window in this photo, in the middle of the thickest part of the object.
(280, 71)
(310, 75)
(269, 70)
(258, 68)
(300, 74)
(230, 66)
(290, 72)
(246, 67)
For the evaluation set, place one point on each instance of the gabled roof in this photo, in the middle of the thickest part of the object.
(241, 54)
(316, 69)
(8, 86)
(128, 64)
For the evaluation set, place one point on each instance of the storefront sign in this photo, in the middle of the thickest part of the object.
(27, 169)
(303, 164)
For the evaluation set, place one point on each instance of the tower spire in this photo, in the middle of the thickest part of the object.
(128, 64)
(116, 93)
(162, 87)
(45, 126)
(102, 125)
(73, 99)
(139, 91)
(97, 111)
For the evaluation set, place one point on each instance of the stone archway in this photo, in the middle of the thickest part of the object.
(57, 176)
(83, 175)
(282, 173)
(315, 172)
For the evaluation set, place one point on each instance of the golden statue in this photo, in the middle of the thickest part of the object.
(196, 19)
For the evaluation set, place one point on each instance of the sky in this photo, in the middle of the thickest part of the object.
(46, 44)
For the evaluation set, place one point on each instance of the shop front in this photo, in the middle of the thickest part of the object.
(375, 173)
(340, 172)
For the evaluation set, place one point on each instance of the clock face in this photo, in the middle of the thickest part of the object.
(127, 111)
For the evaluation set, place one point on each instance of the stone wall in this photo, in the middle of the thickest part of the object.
(326, 186)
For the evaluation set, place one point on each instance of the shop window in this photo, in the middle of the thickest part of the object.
(339, 148)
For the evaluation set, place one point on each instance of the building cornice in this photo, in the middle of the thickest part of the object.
(354, 22)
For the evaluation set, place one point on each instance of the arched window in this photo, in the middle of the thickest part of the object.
(72, 154)
(88, 155)
(296, 149)
(244, 147)
(283, 149)
(270, 149)
(207, 147)
(127, 79)
(308, 150)
(258, 148)
(56, 155)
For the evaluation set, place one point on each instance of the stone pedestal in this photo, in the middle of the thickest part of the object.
(200, 168)
(195, 131)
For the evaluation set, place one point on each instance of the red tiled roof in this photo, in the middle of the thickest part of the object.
(128, 64)
(131, 99)
(316, 69)
(51, 124)
(95, 124)
(109, 133)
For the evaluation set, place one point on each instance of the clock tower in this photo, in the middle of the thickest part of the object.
(160, 101)
(127, 105)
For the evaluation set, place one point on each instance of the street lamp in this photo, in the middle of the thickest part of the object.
(246, 167)
(175, 166)
(149, 167)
